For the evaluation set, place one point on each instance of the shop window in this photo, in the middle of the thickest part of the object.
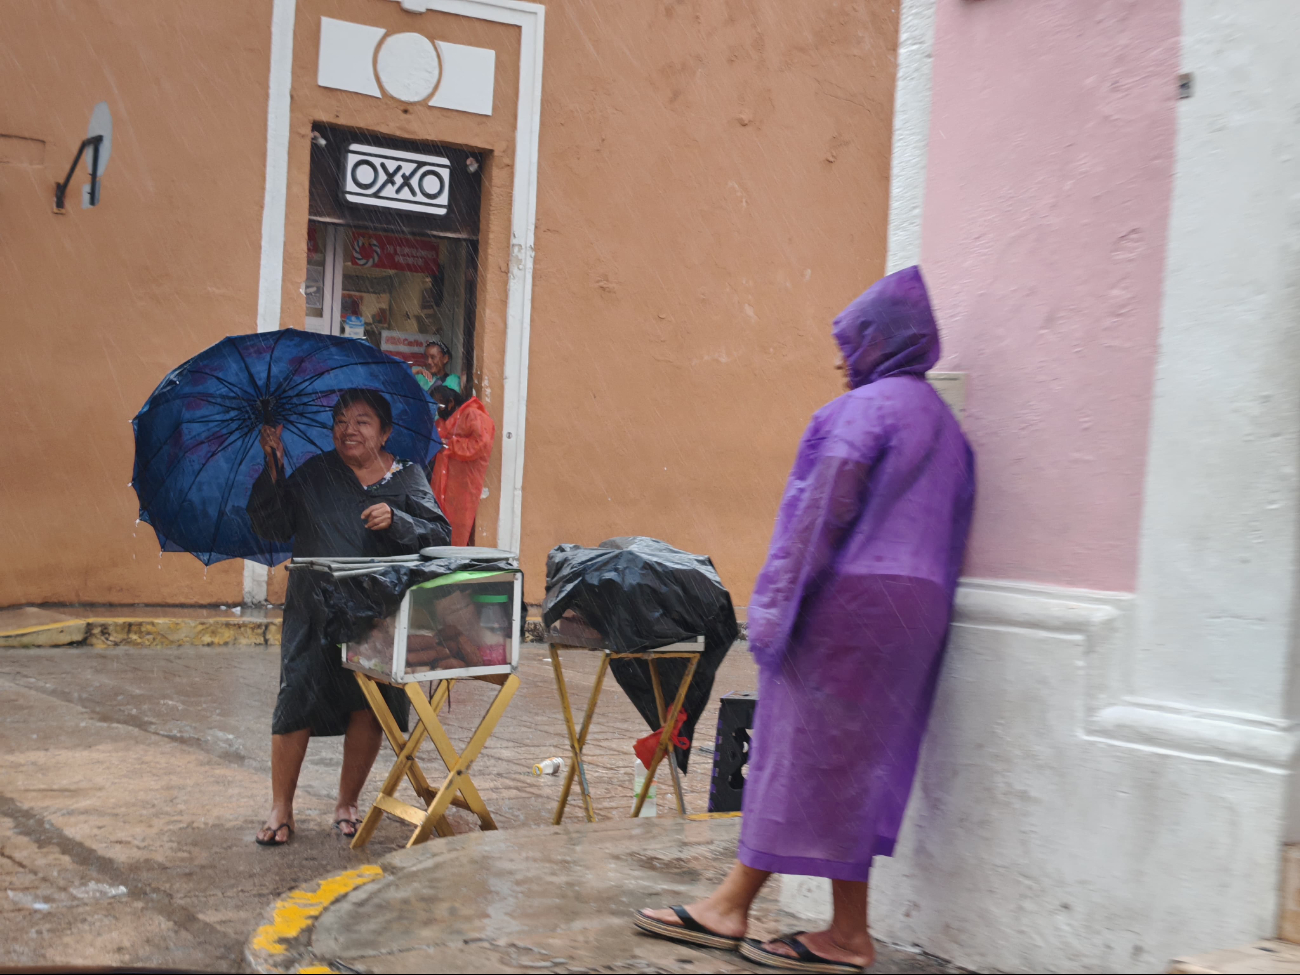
(389, 272)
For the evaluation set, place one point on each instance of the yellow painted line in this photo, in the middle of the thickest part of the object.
(296, 912)
(725, 815)
(40, 626)
(90, 621)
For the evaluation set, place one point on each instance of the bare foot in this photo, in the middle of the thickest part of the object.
(347, 820)
(727, 924)
(860, 951)
(274, 831)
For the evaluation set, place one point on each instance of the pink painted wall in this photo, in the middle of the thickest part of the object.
(1047, 200)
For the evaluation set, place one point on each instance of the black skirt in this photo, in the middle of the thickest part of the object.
(316, 690)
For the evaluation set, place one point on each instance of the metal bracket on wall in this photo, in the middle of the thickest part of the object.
(61, 189)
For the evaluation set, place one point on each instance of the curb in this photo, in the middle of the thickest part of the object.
(145, 632)
(282, 943)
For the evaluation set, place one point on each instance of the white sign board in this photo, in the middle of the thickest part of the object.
(399, 180)
(408, 346)
(410, 66)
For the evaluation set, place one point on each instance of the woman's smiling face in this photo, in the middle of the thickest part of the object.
(358, 434)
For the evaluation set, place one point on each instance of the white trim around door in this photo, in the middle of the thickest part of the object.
(530, 19)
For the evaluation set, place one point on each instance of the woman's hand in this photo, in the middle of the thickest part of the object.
(377, 517)
(273, 448)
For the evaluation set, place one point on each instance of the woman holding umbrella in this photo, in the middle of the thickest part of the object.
(355, 500)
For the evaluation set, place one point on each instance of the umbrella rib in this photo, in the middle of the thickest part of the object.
(197, 475)
(230, 483)
(313, 354)
(223, 400)
(238, 393)
(292, 425)
(236, 424)
(270, 359)
(349, 365)
(247, 370)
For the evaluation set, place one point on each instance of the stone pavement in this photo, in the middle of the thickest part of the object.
(132, 781)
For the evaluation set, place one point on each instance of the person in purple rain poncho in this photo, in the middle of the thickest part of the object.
(847, 623)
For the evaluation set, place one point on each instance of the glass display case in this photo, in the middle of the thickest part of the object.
(465, 624)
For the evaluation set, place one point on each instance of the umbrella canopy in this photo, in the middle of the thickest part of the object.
(196, 437)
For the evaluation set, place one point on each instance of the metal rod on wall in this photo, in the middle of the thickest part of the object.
(61, 189)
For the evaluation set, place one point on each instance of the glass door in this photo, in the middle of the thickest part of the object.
(324, 275)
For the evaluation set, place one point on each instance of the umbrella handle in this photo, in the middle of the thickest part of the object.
(274, 456)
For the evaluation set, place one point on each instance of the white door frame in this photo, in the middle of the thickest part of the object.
(331, 241)
(530, 19)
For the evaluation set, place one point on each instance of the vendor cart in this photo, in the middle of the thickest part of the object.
(662, 622)
(459, 625)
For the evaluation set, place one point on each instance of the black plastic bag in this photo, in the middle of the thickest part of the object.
(639, 594)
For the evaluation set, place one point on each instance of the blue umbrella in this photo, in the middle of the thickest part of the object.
(196, 437)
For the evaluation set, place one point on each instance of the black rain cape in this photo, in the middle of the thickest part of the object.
(640, 593)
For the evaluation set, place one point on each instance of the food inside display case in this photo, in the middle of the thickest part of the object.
(455, 625)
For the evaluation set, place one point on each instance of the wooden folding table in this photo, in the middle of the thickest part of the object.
(457, 788)
(460, 625)
(558, 641)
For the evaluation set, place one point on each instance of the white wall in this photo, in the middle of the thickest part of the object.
(1218, 558)
(1046, 832)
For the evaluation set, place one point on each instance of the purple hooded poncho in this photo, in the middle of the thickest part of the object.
(850, 612)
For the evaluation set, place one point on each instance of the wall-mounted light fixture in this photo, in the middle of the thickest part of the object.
(99, 142)
(61, 189)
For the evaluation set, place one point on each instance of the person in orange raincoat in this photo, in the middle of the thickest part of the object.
(460, 468)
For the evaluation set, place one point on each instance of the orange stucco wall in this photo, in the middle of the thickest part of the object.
(713, 187)
(99, 304)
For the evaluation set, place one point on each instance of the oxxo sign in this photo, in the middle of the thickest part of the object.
(374, 176)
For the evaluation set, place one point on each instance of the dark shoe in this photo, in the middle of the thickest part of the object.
(348, 827)
(807, 960)
(272, 841)
(690, 931)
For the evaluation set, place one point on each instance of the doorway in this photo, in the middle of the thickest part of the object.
(392, 245)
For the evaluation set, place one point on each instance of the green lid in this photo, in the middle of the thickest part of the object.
(491, 599)
(465, 576)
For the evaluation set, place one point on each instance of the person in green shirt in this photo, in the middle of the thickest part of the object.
(437, 358)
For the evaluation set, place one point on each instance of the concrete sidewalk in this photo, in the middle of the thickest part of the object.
(138, 626)
(132, 781)
(557, 900)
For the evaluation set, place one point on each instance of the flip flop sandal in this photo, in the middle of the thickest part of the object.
(690, 931)
(274, 833)
(354, 823)
(807, 960)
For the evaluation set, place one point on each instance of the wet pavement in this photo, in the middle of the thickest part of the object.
(132, 781)
(555, 900)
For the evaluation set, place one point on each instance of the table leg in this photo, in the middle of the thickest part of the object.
(458, 779)
(576, 740)
(405, 765)
(672, 749)
(665, 742)
(469, 797)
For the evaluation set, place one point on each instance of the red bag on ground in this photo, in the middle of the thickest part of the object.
(645, 747)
